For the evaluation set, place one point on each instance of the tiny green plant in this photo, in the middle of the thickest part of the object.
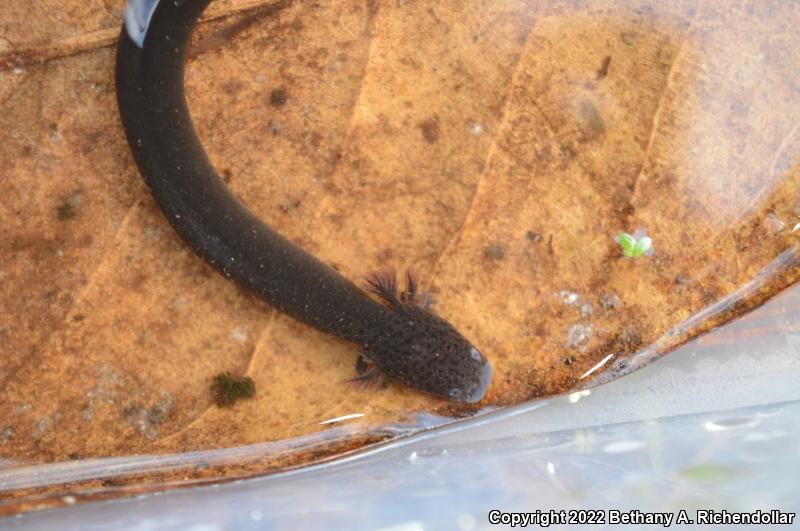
(636, 244)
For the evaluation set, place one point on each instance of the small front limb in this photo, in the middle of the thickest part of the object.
(369, 375)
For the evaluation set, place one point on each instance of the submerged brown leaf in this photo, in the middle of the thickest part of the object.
(498, 147)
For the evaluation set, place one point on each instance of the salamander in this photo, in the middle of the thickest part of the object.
(399, 335)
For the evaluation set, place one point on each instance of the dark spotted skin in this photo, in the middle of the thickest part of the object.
(400, 336)
(420, 349)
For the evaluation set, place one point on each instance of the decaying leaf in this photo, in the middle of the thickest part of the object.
(497, 147)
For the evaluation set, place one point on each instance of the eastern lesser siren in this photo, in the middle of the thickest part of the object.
(400, 335)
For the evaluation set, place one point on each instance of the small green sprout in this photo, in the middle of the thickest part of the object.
(636, 244)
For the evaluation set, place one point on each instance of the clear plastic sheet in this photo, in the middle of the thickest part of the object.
(717, 431)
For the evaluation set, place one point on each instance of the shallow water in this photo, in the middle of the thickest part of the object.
(499, 149)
